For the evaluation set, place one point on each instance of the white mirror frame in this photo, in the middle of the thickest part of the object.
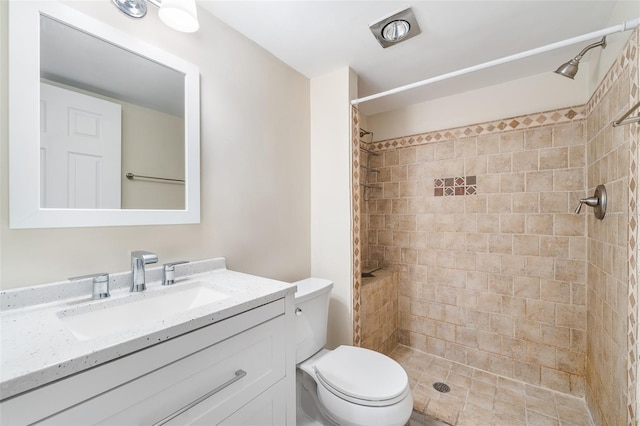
(24, 124)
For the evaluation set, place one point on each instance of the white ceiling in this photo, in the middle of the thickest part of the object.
(318, 37)
(75, 58)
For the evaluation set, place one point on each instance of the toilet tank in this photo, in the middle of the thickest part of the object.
(312, 312)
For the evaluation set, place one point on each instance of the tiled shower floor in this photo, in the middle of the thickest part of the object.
(481, 398)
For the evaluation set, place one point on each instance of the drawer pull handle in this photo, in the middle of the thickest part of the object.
(238, 375)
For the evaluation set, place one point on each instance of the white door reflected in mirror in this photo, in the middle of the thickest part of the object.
(80, 150)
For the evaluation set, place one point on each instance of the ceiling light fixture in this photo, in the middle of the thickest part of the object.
(395, 31)
(181, 15)
(394, 28)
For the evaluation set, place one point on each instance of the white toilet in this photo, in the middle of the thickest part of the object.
(348, 386)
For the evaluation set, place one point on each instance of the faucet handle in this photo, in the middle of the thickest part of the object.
(100, 284)
(168, 272)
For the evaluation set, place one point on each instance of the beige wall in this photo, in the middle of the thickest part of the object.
(542, 92)
(331, 210)
(153, 145)
(254, 161)
(608, 163)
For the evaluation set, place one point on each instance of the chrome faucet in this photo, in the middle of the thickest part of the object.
(138, 260)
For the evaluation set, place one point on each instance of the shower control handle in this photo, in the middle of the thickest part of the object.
(591, 202)
(598, 202)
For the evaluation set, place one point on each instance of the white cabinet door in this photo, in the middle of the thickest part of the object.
(80, 150)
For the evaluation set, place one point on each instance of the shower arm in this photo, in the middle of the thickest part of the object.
(602, 43)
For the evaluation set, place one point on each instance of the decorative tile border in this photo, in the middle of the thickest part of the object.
(522, 122)
(631, 57)
(459, 185)
(626, 58)
(355, 203)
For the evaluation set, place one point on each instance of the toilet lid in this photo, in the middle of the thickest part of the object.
(362, 374)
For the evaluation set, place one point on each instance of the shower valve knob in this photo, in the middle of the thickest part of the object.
(598, 202)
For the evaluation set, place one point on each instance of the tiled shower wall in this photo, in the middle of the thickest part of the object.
(496, 279)
(493, 279)
(611, 281)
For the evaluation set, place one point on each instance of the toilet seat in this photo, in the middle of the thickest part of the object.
(362, 376)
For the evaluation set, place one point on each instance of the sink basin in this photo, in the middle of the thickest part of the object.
(102, 319)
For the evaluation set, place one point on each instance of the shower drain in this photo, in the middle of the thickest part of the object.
(441, 387)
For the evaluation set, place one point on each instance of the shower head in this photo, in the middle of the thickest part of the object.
(570, 69)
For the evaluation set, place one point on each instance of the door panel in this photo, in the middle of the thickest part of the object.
(80, 139)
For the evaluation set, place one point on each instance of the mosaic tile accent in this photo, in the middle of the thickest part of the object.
(355, 191)
(522, 122)
(459, 185)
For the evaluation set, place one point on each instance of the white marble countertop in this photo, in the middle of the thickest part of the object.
(37, 348)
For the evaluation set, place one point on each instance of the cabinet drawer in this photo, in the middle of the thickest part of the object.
(267, 409)
(259, 352)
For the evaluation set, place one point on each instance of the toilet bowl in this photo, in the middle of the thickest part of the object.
(348, 386)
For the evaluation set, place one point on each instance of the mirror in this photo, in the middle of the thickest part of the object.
(108, 128)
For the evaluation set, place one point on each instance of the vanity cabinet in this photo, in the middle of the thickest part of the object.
(238, 371)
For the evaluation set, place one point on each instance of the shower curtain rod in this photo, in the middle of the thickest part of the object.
(625, 26)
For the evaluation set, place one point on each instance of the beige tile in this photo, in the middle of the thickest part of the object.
(569, 225)
(544, 405)
(512, 182)
(569, 134)
(407, 155)
(529, 373)
(525, 161)
(488, 144)
(526, 244)
(569, 179)
(391, 158)
(499, 163)
(464, 148)
(499, 203)
(539, 224)
(555, 291)
(554, 158)
(526, 287)
(552, 246)
(525, 202)
(512, 141)
(512, 223)
(554, 202)
(540, 181)
(539, 138)
(444, 150)
(444, 410)
(555, 379)
(537, 419)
